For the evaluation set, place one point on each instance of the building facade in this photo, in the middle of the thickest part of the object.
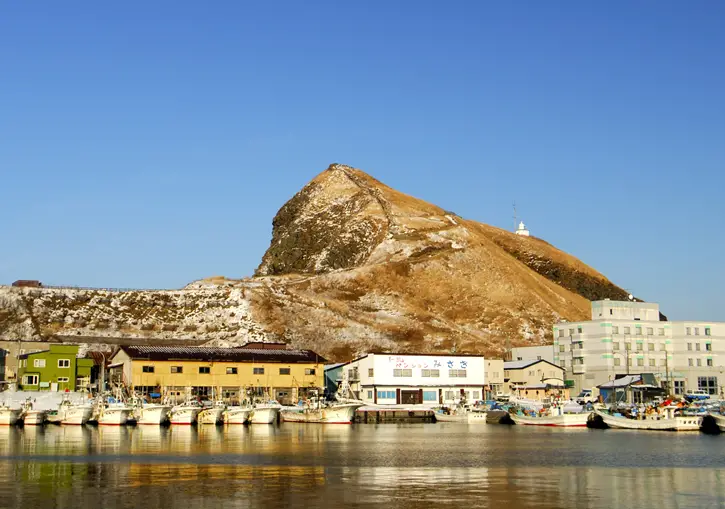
(411, 379)
(627, 338)
(12, 350)
(535, 379)
(531, 353)
(230, 373)
(494, 379)
(55, 369)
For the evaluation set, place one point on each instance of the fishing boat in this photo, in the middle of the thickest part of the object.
(186, 413)
(8, 415)
(264, 413)
(213, 414)
(461, 414)
(30, 416)
(322, 413)
(114, 413)
(655, 422)
(152, 413)
(237, 414)
(77, 413)
(719, 420)
(556, 420)
(57, 416)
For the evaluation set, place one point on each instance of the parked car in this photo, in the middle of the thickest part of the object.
(585, 396)
(696, 395)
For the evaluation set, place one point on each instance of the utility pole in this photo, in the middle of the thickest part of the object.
(515, 218)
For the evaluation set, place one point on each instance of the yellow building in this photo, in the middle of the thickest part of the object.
(260, 369)
(536, 379)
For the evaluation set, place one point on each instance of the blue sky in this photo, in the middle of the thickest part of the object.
(148, 144)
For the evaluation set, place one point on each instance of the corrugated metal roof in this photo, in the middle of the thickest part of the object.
(220, 354)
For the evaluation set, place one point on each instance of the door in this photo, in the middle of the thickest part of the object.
(410, 397)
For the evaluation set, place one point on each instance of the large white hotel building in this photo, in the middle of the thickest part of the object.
(626, 337)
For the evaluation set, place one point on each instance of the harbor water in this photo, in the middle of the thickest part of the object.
(404, 465)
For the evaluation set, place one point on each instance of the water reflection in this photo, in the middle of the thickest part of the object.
(397, 466)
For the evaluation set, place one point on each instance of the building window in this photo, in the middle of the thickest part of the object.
(651, 347)
(579, 329)
(562, 348)
(640, 347)
(699, 362)
(562, 363)
(661, 331)
(147, 369)
(561, 333)
(626, 330)
(402, 373)
(205, 370)
(709, 362)
(687, 331)
(697, 346)
(708, 347)
(457, 373)
(689, 362)
(617, 362)
(638, 330)
(177, 369)
(663, 346)
(450, 395)
(386, 395)
(615, 329)
(371, 371)
(707, 331)
(233, 371)
(640, 362)
(650, 331)
(430, 396)
(259, 371)
(30, 380)
(308, 371)
(475, 395)
(627, 346)
(653, 362)
(430, 373)
(64, 363)
(615, 346)
(370, 394)
(697, 331)
(63, 379)
(689, 346)
(38, 363)
(707, 384)
(286, 371)
(679, 387)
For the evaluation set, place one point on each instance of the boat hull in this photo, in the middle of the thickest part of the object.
(465, 418)
(77, 415)
(34, 418)
(184, 415)
(338, 414)
(153, 414)
(114, 416)
(237, 415)
(264, 415)
(558, 421)
(210, 415)
(719, 420)
(9, 416)
(680, 423)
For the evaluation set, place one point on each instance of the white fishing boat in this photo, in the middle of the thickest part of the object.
(656, 422)
(719, 420)
(115, 414)
(152, 413)
(77, 413)
(32, 417)
(558, 420)
(186, 413)
(57, 416)
(237, 414)
(461, 414)
(213, 414)
(322, 413)
(8, 415)
(264, 413)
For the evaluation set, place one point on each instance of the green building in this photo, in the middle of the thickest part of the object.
(55, 369)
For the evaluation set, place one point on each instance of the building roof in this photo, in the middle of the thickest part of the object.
(621, 382)
(203, 353)
(526, 363)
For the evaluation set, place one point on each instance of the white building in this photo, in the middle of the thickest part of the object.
(626, 337)
(522, 230)
(389, 379)
(531, 353)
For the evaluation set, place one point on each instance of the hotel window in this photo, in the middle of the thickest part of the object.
(679, 386)
(640, 362)
(627, 346)
(38, 363)
(638, 330)
(562, 363)
(571, 332)
(205, 370)
(697, 331)
(64, 363)
(430, 373)
(430, 396)
(63, 379)
(661, 332)
(626, 330)
(617, 362)
(457, 373)
(689, 362)
(650, 331)
(640, 347)
(370, 394)
(401, 373)
(148, 369)
(652, 362)
(310, 371)
(370, 371)
(689, 346)
(663, 347)
(687, 331)
(561, 333)
(697, 346)
(615, 329)
(233, 371)
(708, 347)
(615, 345)
(177, 369)
(707, 331)
(699, 362)
(562, 348)
(709, 362)
(30, 380)
(651, 347)
(579, 329)
(707, 384)
(386, 394)
(286, 371)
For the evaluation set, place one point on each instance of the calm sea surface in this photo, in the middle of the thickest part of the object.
(303, 465)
